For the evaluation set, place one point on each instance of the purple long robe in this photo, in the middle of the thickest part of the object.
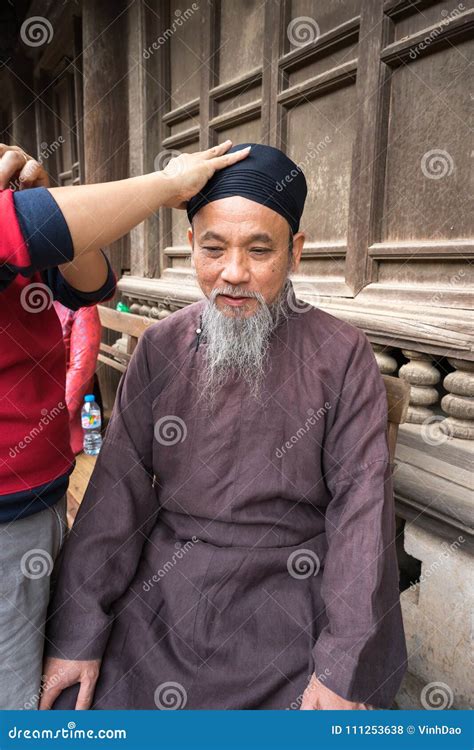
(216, 563)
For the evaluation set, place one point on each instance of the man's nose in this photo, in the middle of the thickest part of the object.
(236, 269)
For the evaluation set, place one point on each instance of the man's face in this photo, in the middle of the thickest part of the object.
(241, 249)
(242, 260)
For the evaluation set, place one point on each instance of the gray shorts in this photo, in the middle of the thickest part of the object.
(28, 549)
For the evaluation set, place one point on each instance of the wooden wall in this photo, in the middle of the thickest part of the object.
(348, 91)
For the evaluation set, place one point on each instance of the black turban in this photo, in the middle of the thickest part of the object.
(266, 176)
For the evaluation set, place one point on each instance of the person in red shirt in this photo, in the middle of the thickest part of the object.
(50, 250)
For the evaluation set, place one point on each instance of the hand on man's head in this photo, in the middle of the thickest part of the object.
(188, 173)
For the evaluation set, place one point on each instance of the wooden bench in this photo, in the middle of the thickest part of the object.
(131, 327)
(398, 397)
(78, 482)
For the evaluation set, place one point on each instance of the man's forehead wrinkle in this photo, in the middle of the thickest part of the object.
(239, 225)
(238, 210)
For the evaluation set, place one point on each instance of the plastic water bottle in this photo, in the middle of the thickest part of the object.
(91, 424)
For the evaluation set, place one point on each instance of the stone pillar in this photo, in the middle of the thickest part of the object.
(459, 402)
(437, 621)
(387, 364)
(422, 376)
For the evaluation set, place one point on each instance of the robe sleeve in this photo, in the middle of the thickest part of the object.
(360, 654)
(119, 509)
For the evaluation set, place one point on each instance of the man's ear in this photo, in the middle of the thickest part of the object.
(298, 244)
(191, 244)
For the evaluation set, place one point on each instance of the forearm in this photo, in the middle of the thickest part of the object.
(99, 214)
(45, 228)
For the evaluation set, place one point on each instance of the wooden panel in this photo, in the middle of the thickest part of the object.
(240, 41)
(429, 149)
(323, 16)
(453, 275)
(438, 14)
(323, 64)
(249, 94)
(242, 133)
(325, 156)
(182, 42)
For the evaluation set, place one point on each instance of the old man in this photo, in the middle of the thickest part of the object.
(235, 546)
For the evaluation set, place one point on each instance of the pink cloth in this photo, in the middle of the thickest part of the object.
(81, 333)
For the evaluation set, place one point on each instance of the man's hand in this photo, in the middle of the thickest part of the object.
(188, 173)
(60, 674)
(317, 697)
(20, 171)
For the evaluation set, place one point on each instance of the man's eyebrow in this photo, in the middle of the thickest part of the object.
(209, 235)
(256, 237)
(260, 237)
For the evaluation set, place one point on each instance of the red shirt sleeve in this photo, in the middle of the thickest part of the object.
(14, 254)
(34, 235)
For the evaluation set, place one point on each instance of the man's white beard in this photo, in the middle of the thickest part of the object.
(237, 345)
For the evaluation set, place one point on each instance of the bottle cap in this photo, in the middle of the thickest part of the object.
(89, 397)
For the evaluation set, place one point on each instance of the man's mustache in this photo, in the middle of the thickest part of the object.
(232, 292)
